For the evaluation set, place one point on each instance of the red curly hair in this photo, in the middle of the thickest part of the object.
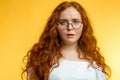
(46, 52)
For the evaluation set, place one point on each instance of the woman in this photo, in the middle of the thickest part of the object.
(67, 49)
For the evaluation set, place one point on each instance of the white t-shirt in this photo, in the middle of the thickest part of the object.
(75, 70)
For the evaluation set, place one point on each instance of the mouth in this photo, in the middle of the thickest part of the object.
(70, 35)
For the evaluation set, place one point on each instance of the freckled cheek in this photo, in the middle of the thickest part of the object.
(61, 32)
(78, 33)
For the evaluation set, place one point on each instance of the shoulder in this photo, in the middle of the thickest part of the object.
(99, 74)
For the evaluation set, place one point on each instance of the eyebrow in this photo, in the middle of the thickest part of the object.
(72, 19)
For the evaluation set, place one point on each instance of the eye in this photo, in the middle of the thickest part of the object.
(63, 22)
(76, 22)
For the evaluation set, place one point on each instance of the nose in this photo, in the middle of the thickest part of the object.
(69, 26)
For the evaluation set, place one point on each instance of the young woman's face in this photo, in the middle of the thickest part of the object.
(70, 25)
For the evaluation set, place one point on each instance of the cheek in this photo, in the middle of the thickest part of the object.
(61, 32)
(79, 32)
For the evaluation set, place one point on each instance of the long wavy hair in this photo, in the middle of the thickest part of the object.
(46, 52)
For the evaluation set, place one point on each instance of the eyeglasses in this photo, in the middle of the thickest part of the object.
(75, 23)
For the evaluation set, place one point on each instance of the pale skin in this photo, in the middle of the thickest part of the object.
(70, 42)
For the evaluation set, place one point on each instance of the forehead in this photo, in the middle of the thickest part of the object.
(70, 13)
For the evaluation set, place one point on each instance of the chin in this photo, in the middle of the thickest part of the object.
(70, 42)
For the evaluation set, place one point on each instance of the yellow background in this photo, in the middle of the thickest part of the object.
(22, 21)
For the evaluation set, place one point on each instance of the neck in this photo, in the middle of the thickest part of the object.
(69, 46)
(69, 51)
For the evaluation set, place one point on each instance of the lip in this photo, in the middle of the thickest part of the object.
(70, 35)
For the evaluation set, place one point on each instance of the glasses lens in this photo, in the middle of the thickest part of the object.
(76, 23)
(63, 23)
